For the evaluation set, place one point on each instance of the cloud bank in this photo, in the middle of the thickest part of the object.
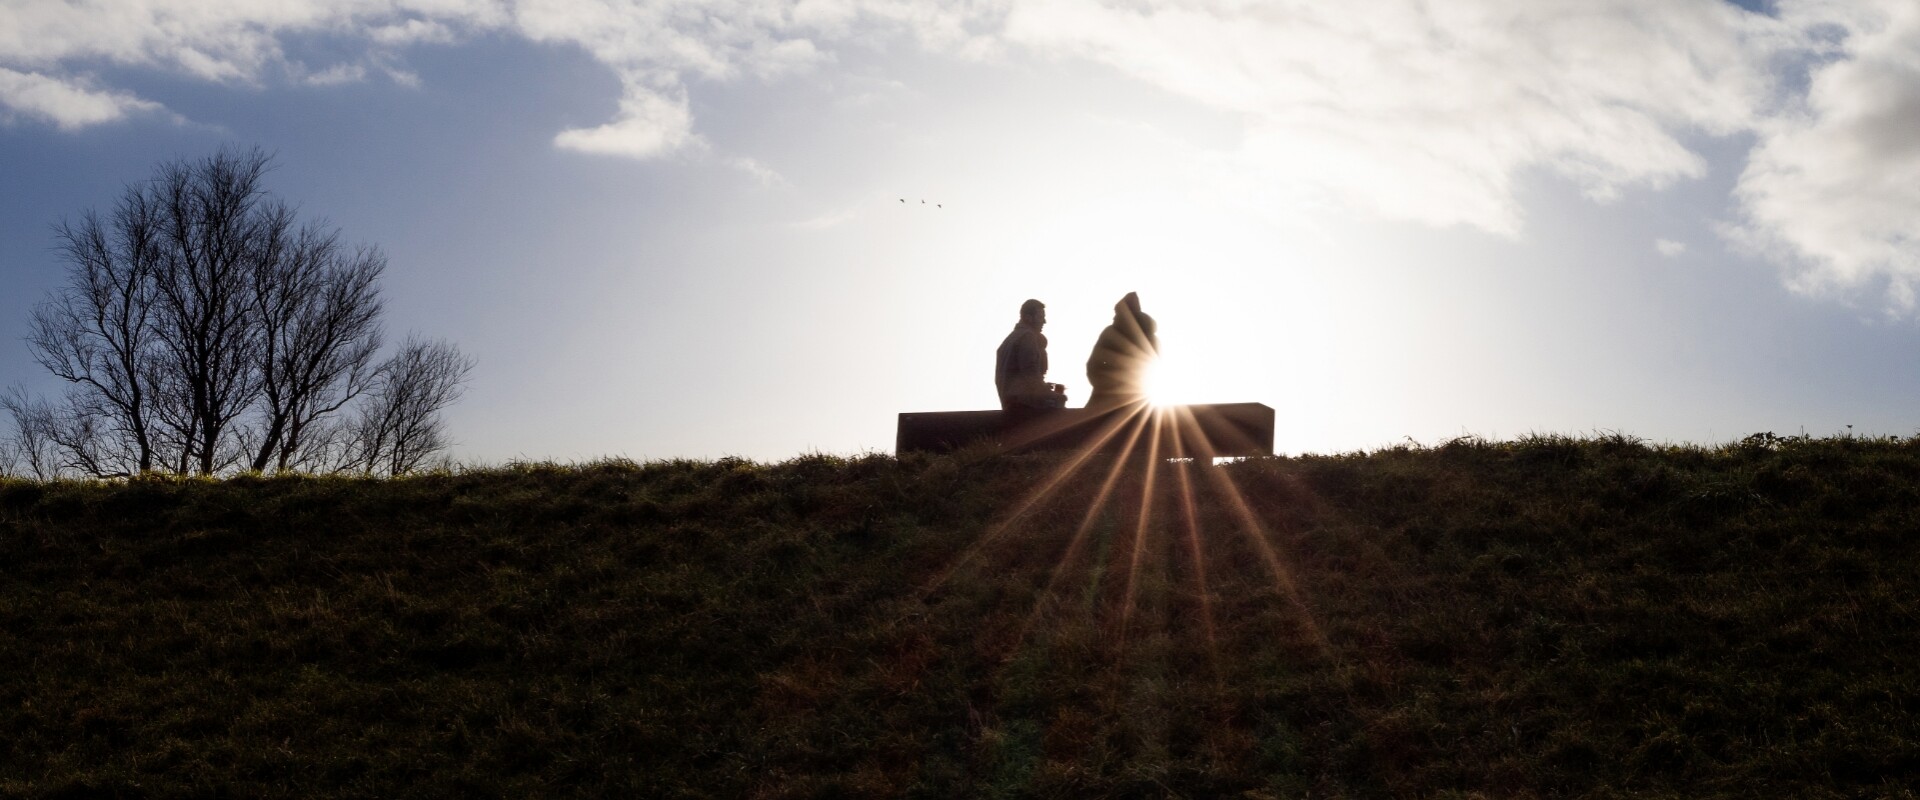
(1832, 187)
(69, 104)
(1429, 111)
(1410, 109)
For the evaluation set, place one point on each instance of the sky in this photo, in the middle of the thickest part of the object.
(668, 229)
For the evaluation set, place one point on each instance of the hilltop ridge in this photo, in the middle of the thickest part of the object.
(1551, 616)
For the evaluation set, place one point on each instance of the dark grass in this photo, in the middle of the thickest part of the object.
(1548, 617)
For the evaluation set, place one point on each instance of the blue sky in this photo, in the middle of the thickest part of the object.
(673, 228)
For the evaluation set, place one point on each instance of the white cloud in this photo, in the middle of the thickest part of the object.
(762, 174)
(67, 103)
(1429, 111)
(412, 31)
(1832, 188)
(220, 40)
(1411, 109)
(1669, 247)
(654, 47)
(338, 74)
(649, 124)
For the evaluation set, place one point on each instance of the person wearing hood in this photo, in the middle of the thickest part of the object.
(1020, 365)
(1117, 369)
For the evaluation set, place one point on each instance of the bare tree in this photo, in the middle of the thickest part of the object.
(400, 426)
(31, 450)
(98, 332)
(218, 231)
(203, 329)
(319, 314)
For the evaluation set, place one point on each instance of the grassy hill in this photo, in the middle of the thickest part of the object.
(1547, 617)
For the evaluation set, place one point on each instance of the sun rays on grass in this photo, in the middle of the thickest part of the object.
(1129, 547)
(1106, 581)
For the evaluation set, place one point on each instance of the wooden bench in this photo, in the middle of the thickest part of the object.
(1192, 431)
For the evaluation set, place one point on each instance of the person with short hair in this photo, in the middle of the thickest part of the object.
(1020, 365)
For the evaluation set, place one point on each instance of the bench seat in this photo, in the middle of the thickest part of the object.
(1214, 430)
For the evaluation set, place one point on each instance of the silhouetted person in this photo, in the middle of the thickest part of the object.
(1118, 367)
(1020, 366)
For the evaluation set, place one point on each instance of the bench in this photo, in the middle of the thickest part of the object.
(1215, 430)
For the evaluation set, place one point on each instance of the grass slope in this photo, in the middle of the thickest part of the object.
(1548, 617)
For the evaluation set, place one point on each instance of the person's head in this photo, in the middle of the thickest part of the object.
(1033, 312)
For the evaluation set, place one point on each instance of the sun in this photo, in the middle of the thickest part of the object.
(1162, 384)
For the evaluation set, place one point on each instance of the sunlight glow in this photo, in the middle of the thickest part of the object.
(1159, 390)
(1167, 384)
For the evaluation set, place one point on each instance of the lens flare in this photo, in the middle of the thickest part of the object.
(1158, 382)
(1168, 383)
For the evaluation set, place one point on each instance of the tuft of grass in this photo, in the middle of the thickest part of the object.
(1593, 617)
